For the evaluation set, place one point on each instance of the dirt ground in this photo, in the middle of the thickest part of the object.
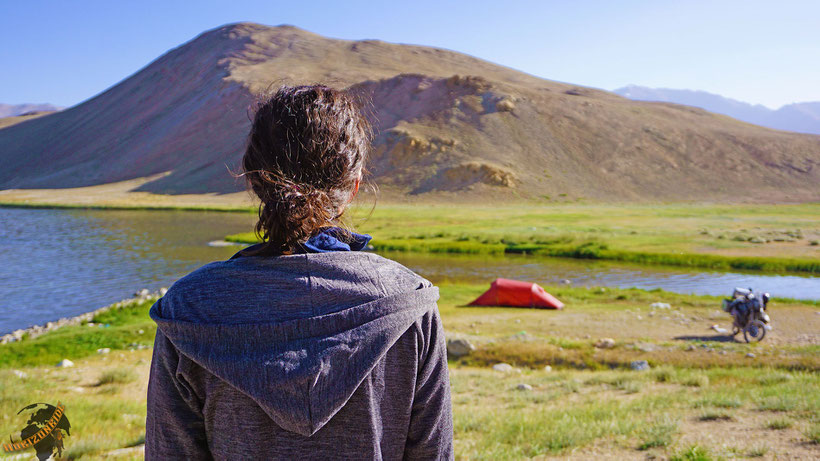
(792, 325)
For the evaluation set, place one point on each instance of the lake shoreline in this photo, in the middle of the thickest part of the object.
(770, 265)
(765, 265)
(34, 331)
(54, 276)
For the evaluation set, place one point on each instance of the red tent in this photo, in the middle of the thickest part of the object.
(505, 292)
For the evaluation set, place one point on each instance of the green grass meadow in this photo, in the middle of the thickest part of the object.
(771, 238)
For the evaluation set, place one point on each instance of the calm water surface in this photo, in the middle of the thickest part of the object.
(58, 263)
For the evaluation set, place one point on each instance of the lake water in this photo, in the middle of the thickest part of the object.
(59, 263)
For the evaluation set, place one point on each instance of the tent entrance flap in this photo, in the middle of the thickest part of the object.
(514, 293)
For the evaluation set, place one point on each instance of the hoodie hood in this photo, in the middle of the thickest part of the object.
(302, 370)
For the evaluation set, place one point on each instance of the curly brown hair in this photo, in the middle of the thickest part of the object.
(304, 159)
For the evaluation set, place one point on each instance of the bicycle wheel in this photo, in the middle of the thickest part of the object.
(755, 331)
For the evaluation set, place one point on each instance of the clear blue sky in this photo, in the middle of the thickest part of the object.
(766, 52)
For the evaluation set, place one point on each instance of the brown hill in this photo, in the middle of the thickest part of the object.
(448, 123)
(15, 119)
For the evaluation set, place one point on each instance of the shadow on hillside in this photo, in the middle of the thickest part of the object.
(715, 338)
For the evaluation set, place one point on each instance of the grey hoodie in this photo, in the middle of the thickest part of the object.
(336, 355)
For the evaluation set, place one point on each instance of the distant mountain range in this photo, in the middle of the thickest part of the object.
(448, 126)
(803, 117)
(13, 110)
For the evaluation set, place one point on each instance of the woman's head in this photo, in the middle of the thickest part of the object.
(304, 160)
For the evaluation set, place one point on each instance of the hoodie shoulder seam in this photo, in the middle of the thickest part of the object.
(395, 265)
(309, 278)
(378, 275)
(310, 386)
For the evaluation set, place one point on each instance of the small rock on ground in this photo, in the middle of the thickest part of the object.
(646, 347)
(605, 343)
(547, 368)
(523, 387)
(103, 350)
(750, 355)
(459, 347)
(65, 363)
(639, 365)
(503, 367)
